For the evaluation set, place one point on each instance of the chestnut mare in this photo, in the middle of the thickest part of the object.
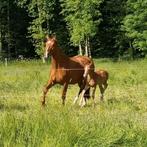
(64, 70)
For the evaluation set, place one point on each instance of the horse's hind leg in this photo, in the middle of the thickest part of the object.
(105, 85)
(102, 92)
(45, 90)
(65, 86)
(93, 95)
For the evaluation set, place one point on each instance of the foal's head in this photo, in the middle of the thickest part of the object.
(50, 45)
(88, 70)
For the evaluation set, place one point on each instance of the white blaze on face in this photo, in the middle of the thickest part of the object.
(46, 53)
(85, 71)
(46, 50)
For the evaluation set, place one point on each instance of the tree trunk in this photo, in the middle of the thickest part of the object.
(8, 29)
(89, 48)
(40, 26)
(86, 47)
(48, 25)
(15, 46)
(131, 51)
(0, 44)
(80, 49)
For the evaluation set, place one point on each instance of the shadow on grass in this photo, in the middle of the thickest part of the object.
(17, 107)
(126, 101)
(112, 101)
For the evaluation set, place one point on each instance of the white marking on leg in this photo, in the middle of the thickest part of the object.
(82, 97)
(75, 99)
(46, 54)
(93, 95)
(82, 101)
(85, 71)
(101, 97)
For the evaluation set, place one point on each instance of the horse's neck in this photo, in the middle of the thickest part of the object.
(58, 58)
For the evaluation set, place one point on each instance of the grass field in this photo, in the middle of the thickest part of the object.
(120, 121)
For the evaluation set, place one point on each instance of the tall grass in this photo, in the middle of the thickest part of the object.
(120, 121)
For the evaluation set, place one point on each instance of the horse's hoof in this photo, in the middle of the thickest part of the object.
(74, 103)
(94, 105)
(83, 105)
(63, 103)
(102, 100)
(43, 103)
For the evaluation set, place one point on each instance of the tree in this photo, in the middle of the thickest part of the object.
(3, 24)
(80, 18)
(13, 24)
(110, 40)
(135, 25)
(41, 12)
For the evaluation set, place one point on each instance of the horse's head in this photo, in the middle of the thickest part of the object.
(89, 74)
(50, 45)
(88, 69)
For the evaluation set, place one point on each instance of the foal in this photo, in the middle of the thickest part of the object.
(100, 78)
(64, 70)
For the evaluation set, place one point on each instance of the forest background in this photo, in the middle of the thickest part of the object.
(98, 28)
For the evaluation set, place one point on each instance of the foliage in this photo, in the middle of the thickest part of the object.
(110, 40)
(41, 12)
(135, 24)
(80, 17)
(13, 31)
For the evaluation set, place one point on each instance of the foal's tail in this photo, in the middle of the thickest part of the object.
(87, 94)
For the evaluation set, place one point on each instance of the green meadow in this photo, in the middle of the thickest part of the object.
(121, 120)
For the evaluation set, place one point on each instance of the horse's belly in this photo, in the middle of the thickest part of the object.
(71, 77)
(75, 79)
(61, 78)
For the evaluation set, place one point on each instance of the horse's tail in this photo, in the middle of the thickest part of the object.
(87, 94)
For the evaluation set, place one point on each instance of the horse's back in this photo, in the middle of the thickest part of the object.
(83, 60)
(102, 75)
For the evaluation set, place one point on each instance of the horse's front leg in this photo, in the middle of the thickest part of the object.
(83, 101)
(76, 98)
(45, 90)
(65, 86)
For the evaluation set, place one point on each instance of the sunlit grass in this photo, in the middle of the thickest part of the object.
(120, 121)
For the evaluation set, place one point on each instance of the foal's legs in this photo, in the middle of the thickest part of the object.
(65, 86)
(101, 91)
(45, 90)
(105, 85)
(93, 95)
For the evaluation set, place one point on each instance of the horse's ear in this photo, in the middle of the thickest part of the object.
(54, 36)
(47, 37)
